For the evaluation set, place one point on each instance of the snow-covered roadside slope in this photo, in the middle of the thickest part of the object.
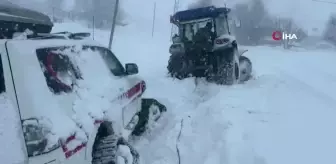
(293, 123)
(282, 116)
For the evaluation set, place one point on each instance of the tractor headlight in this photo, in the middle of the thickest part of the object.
(222, 41)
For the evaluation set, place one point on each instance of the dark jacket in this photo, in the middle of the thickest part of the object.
(203, 36)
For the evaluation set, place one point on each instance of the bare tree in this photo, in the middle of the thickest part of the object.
(329, 33)
(254, 17)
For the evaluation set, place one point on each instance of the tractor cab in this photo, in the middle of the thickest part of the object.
(204, 46)
(189, 22)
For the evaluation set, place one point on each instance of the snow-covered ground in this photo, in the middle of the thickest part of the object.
(284, 115)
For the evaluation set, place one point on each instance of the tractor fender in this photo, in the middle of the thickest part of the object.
(241, 51)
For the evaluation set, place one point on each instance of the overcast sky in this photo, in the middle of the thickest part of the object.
(307, 13)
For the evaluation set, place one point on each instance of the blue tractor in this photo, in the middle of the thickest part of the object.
(205, 47)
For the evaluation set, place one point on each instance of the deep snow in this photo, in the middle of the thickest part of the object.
(283, 115)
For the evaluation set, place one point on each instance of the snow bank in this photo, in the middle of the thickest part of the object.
(281, 116)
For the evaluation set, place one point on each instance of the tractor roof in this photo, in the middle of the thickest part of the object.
(199, 13)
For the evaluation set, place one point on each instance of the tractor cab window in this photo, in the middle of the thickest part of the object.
(222, 27)
(189, 30)
(204, 23)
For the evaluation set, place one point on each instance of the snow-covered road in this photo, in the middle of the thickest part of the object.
(284, 115)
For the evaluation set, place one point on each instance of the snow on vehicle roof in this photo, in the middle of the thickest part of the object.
(199, 13)
(35, 44)
(13, 13)
(9, 17)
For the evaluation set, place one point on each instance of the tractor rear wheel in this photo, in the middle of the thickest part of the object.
(175, 65)
(228, 68)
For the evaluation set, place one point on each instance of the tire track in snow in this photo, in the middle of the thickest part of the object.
(157, 146)
(297, 113)
(204, 137)
(254, 96)
(197, 115)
